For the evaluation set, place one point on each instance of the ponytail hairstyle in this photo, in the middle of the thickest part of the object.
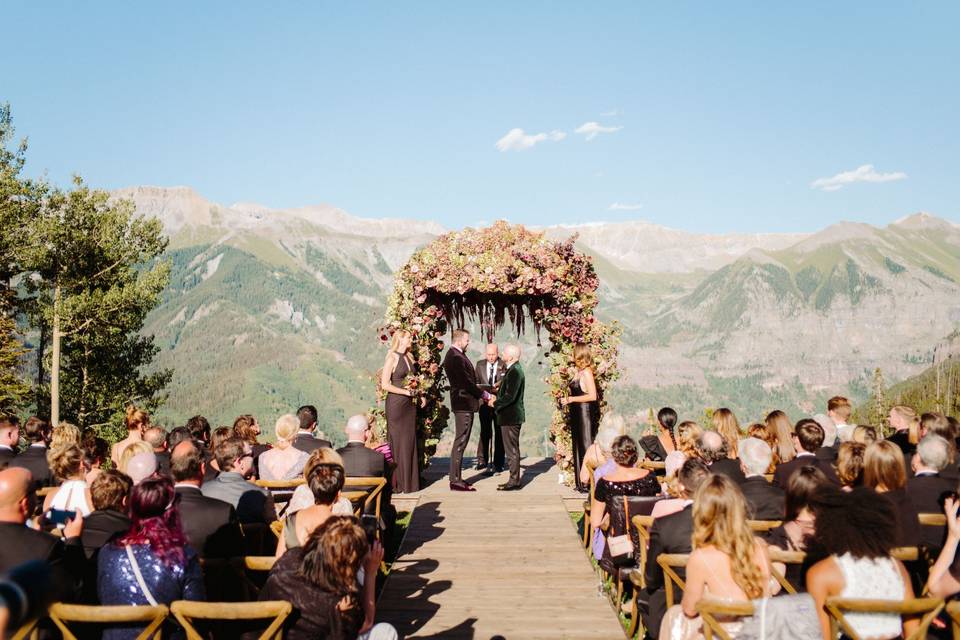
(136, 419)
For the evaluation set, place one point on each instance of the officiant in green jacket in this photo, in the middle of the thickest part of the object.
(510, 416)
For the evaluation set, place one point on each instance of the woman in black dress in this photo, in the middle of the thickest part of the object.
(584, 415)
(401, 411)
(658, 447)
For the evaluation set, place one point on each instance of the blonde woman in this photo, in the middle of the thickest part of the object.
(727, 563)
(780, 427)
(584, 415)
(130, 451)
(401, 410)
(725, 423)
(906, 422)
(137, 422)
(688, 435)
(598, 453)
(283, 462)
(64, 435)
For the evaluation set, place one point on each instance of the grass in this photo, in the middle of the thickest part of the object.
(392, 549)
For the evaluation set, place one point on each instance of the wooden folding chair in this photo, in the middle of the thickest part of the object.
(953, 610)
(637, 577)
(668, 562)
(932, 519)
(27, 631)
(188, 611)
(259, 563)
(153, 617)
(650, 465)
(928, 608)
(762, 526)
(768, 477)
(905, 554)
(785, 557)
(710, 608)
(372, 487)
(280, 485)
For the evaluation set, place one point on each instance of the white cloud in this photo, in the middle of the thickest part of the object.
(517, 140)
(592, 129)
(625, 206)
(863, 173)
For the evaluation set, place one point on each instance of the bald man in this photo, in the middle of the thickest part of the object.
(510, 414)
(19, 543)
(358, 460)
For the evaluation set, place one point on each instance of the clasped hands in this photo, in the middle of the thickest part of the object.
(491, 398)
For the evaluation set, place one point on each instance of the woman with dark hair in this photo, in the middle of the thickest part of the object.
(248, 429)
(857, 530)
(583, 416)
(152, 563)
(884, 471)
(657, 447)
(850, 465)
(322, 581)
(799, 522)
(325, 481)
(624, 480)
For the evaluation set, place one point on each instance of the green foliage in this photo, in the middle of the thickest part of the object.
(808, 279)
(13, 388)
(937, 272)
(935, 389)
(893, 267)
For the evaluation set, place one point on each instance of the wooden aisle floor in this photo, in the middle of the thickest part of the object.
(495, 564)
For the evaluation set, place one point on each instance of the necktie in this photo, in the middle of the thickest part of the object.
(490, 369)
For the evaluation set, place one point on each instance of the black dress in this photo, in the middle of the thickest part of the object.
(402, 433)
(608, 492)
(584, 419)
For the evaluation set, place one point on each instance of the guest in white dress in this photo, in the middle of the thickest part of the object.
(284, 461)
(67, 464)
(858, 529)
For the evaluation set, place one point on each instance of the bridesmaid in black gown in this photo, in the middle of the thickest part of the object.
(401, 412)
(584, 414)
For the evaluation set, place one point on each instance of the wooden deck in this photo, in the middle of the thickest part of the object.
(495, 565)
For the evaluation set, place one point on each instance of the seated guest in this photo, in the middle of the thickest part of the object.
(96, 452)
(884, 472)
(672, 487)
(136, 421)
(63, 435)
(927, 489)
(779, 425)
(253, 503)
(19, 543)
(624, 480)
(828, 450)
(850, 465)
(764, 500)
(864, 434)
(9, 438)
(322, 580)
(176, 436)
(303, 497)
(713, 450)
(839, 410)
(944, 578)
(307, 415)
(34, 458)
(199, 428)
(358, 460)
(130, 451)
(670, 534)
(799, 521)
(156, 437)
(597, 455)
(657, 447)
(938, 425)
(73, 494)
(727, 562)
(325, 482)
(141, 466)
(725, 423)
(807, 438)
(152, 562)
(759, 431)
(284, 461)
(247, 429)
(210, 525)
(377, 443)
(217, 436)
(109, 493)
(906, 422)
(857, 530)
(688, 438)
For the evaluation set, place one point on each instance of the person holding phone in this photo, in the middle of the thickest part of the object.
(69, 465)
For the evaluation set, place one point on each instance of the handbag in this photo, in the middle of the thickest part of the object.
(621, 547)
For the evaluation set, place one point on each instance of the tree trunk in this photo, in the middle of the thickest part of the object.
(55, 361)
(41, 350)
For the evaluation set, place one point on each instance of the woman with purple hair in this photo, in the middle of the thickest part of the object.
(151, 564)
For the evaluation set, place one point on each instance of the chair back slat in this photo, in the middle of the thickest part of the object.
(927, 608)
(709, 608)
(187, 611)
(667, 562)
(259, 563)
(932, 519)
(153, 616)
(762, 526)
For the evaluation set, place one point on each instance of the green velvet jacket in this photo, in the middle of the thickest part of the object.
(509, 403)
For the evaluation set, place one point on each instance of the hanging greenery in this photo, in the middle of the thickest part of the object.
(499, 274)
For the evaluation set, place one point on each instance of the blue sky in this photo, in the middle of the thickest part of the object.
(725, 114)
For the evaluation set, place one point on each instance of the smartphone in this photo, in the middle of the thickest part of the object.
(60, 517)
(370, 525)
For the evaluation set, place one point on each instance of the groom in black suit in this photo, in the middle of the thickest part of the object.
(490, 372)
(465, 398)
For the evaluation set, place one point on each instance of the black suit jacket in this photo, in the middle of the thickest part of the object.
(6, 457)
(827, 454)
(465, 394)
(306, 442)
(19, 543)
(669, 534)
(100, 527)
(481, 367)
(34, 459)
(359, 461)
(766, 500)
(926, 493)
(783, 472)
(163, 462)
(729, 467)
(211, 525)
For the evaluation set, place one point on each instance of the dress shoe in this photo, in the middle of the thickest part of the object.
(508, 487)
(461, 486)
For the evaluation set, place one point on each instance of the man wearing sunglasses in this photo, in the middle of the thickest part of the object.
(253, 503)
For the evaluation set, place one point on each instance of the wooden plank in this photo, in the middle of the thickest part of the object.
(495, 564)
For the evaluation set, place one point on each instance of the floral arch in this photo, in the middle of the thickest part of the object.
(494, 275)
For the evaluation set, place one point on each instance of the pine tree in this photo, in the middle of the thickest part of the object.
(878, 413)
(13, 389)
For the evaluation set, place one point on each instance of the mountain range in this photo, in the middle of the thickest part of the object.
(268, 309)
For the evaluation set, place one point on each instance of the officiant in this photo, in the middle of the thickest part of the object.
(490, 370)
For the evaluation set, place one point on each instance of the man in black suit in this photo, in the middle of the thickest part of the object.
(108, 493)
(305, 441)
(19, 543)
(465, 398)
(670, 534)
(765, 501)
(807, 438)
(490, 372)
(9, 439)
(210, 525)
(713, 451)
(358, 460)
(830, 448)
(927, 488)
(34, 457)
